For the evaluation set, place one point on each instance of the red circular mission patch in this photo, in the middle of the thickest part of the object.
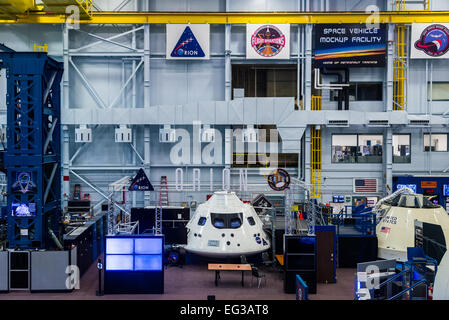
(268, 41)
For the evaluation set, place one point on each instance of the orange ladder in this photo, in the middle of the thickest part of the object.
(163, 192)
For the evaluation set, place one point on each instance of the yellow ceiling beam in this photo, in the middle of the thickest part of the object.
(237, 17)
(9, 9)
(60, 6)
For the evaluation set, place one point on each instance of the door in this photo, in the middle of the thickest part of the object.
(325, 257)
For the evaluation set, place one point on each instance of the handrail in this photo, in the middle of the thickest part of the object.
(428, 260)
(410, 288)
(364, 222)
(391, 279)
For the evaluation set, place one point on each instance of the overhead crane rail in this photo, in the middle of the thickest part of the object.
(11, 8)
(398, 17)
(60, 6)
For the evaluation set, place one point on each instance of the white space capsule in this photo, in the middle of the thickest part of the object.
(224, 226)
(396, 229)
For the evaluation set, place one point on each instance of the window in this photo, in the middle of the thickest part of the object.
(202, 221)
(226, 220)
(438, 90)
(352, 148)
(439, 142)
(219, 223)
(344, 148)
(257, 160)
(401, 148)
(362, 91)
(370, 149)
(251, 221)
(267, 138)
(265, 80)
(235, 223)
(369, 91)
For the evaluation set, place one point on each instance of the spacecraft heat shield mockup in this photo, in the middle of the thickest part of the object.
(224, 226)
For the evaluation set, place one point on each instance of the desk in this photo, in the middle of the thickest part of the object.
(229, 267)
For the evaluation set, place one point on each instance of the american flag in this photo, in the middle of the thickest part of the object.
(365, 185)
(385, 230)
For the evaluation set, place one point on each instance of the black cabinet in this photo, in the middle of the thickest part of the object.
(353, 250)
(299, 258)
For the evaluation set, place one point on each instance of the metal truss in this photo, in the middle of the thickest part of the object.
(34, 148)
(132, 51)
(129, 54)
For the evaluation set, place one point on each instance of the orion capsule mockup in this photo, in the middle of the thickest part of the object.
(224, 226)
(396, 229)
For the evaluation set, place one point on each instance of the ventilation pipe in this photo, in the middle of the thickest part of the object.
(342, 94)
(339, 76)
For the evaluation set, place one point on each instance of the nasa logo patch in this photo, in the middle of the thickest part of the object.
(188, 46)
(279, 180)
(434, 41)
(268, 41)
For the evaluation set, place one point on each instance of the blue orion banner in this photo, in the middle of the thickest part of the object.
(350, 45)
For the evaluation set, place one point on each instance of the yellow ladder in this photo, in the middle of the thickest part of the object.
(315, 153)
(400, 65)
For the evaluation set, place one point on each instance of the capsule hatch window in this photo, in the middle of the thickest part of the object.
(227, 220)
(202, 221)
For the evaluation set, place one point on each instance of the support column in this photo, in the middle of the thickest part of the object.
(135, 163)
(390, 69)
(308, 68)
(307, 156)
(65, 79)
(390, 5)
(147, 140)
(388, 161)
(308, 96)
(146, 66)
(65, 167)
(134, 82)
(228, 65)
(299, 88)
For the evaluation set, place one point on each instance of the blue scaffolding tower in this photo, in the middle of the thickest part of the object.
(33, 156)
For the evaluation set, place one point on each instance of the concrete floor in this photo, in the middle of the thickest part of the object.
(195, 282)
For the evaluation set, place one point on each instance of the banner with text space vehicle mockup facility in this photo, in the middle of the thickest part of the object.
(350, 45)
(268, 41)
(188, 41)
(430, 41)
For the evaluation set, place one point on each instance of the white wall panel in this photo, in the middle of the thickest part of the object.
(23, 37)
(263, 5)
(355, 5)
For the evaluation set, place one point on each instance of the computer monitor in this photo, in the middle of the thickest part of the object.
(23, 209)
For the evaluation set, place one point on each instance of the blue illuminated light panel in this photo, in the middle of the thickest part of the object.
(134, 254)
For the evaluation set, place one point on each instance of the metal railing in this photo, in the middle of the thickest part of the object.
(363, 224)
(409, 289)
(38, 48)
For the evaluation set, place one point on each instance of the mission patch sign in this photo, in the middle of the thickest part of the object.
(188, 42)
